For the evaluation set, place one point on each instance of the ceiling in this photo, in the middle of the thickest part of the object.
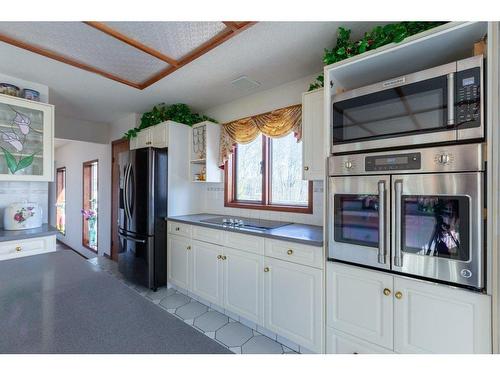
(271, 53)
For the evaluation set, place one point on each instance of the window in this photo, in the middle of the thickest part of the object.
(89, 211)
(267, 174)
(61, 199)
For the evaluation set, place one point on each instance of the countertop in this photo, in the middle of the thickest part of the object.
(300, 233)
(13, 235)
(60, 303)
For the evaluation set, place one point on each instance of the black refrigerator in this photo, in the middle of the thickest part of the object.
(142, 229)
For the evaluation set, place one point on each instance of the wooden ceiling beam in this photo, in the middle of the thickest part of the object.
(66, 60)
(232, 25)
(217, 40)
(131, 42)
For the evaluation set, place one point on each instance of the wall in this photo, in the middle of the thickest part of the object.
(18, 191)
(71, 155)
(117, 128)
(265, 101)
(81, 130)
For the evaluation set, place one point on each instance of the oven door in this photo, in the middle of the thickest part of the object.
(437, 227)
(359, 220)
(414, 109)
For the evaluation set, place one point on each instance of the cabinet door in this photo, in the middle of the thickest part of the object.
(312, 136)
(144, 138)
(244, 284)
(179, 261)
(430, 318)
(338, 342)
(357, 305)
(159, 135)
(293, 306)
(207, 271)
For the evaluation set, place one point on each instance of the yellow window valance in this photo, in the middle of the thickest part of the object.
(274, 124)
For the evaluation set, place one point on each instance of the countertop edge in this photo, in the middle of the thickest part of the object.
(14, 235)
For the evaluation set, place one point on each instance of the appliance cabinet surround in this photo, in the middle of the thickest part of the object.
(26, 142)
(375, 312)
(234, 271)
(154, 136)
(313, 157)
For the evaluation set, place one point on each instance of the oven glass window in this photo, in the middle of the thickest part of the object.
(436, 226)
(412, 108)
(356, 219)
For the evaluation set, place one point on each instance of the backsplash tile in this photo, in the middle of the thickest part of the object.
(18, 191)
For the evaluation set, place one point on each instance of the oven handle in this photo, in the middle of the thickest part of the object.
(451, 99)
(381, 222)
(398, 255)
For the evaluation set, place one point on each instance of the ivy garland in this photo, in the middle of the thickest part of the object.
(176, 112)
(377, 37)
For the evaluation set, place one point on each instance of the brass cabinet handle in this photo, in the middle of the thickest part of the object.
(177, 229)
(289, 252)
(18, 248)
(387, 292)
(398, 295)
(188, 248)
(224, 257)
(306, 168)
(219, 256)
(148, 143)
(266, 269)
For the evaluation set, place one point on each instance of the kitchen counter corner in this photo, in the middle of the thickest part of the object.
(15, 235)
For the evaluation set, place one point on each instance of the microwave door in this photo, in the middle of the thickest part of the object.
(359, 220)
(437, 227)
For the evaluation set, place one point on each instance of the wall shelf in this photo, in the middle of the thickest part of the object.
(204, 152)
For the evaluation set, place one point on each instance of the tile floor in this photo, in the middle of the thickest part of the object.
(238, 337)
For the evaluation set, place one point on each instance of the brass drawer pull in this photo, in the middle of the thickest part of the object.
(398, 295)
(224, 257)
(219, 256)
(266, 269)
(188, 248)
(387, 292)
(289, 252)
(18, 248)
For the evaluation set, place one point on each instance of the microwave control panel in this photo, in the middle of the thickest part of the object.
(393, 162)
(468, 97)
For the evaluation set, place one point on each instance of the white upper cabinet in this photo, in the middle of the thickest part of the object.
(204, 162)
(313, 156)
(26, 140)
(439, 319)
(154, 136)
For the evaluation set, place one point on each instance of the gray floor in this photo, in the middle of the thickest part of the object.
(61, 303)
(221, 328)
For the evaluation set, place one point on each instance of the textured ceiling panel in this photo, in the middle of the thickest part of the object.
(174, 39)
(85, 44)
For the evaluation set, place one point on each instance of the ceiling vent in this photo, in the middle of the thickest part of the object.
(245, 83)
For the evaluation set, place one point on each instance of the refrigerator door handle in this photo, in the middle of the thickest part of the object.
(131, 239)
(125, 192)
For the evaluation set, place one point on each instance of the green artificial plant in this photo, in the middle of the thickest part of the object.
(377, 37)
(175, 112)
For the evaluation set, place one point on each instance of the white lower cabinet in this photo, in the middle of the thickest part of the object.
(179, 261)
(244, 284)
(293, 302)
(369, 310)
(439, 319)
(207, 271)
(27, 247)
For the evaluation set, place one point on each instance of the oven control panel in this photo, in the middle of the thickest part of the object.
(468, 97)
(393, 162)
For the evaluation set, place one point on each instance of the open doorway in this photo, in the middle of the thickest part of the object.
(90, 204)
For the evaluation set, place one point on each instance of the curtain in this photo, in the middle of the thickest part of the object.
(274, 124)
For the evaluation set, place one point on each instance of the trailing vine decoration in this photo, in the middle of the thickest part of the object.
(377, 37)
(176, 112)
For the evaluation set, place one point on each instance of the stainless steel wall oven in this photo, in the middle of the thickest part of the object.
(417, 212)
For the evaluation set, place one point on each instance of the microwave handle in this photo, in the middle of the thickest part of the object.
(451, 99)
(398, 256)
(381, 222)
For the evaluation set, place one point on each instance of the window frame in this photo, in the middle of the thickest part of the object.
(62, 171)
(85, 205)
(265, 204)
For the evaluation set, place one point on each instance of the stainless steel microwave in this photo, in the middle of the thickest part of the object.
(438, 105)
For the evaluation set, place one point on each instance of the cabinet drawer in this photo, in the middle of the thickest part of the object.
(32, 246)
(207, 234)
(341, 343)
(179, 228)
(244, 242)
(293, 252)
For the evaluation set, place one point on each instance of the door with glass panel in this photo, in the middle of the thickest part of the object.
(359, 229)
(437, 226)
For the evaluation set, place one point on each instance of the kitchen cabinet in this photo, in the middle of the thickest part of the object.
(27, 247)
(204, 162)
(313, 155)
(153, 136)
(440, 319)
(359, 302)
(405, 315)
(179, 261)
(207, 271)
(27, 144)
(293, 302)
(244, 284)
